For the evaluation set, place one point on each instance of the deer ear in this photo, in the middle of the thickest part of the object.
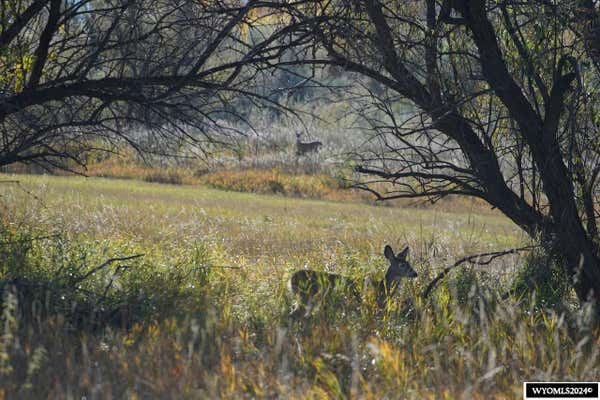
(404, 253)
(388, 252)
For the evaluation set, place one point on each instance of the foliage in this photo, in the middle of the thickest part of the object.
(273, 182)
(464, 285)
(542, 282)
(89, 288)
(87, 75)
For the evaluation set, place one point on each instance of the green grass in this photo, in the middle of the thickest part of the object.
(225, 333)
(247, 223)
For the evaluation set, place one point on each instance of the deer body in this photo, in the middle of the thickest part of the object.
(306, 285)
(303, 148)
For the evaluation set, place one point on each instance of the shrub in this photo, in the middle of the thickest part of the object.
(271, 182)
(170, 176)
(87, 285)
(464, 285)
(541, 282)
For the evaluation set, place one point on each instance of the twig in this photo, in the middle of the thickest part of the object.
(112, 279)
(105, 264)
(10, 181)
(474, 259)
(218, 266)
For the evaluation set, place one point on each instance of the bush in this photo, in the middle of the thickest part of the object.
(87, 284)
(541, 282)
(170, 176)
(271, 182)
(464, 285)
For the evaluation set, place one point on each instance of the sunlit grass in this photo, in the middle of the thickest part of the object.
(232, 337)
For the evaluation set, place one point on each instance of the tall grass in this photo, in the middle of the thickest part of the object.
(204, 329)
(272, 170)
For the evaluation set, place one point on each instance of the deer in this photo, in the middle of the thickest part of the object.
(303, 148)
(305, 285)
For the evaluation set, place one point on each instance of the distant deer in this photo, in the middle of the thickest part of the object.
(303, 148)
(305, 285)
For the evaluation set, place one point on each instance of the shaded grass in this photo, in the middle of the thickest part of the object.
(238, 342)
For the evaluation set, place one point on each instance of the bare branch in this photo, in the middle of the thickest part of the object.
(473, 259)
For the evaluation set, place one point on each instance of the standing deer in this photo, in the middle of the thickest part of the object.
(303, 148)
(305, 285)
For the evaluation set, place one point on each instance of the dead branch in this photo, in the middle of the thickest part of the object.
(217, 266)
(475, 259)
(105, 264)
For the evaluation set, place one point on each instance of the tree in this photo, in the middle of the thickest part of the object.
(503, 106)
(84, 75)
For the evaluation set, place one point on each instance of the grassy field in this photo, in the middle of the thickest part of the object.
(209, 315)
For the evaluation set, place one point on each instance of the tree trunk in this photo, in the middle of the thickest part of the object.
(580, 258)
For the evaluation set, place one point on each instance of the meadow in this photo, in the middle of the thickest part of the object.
(203, 307)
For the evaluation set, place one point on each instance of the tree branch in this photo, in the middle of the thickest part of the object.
(474, 259)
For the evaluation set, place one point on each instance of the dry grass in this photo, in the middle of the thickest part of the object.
(233, 339)
(286, 179)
